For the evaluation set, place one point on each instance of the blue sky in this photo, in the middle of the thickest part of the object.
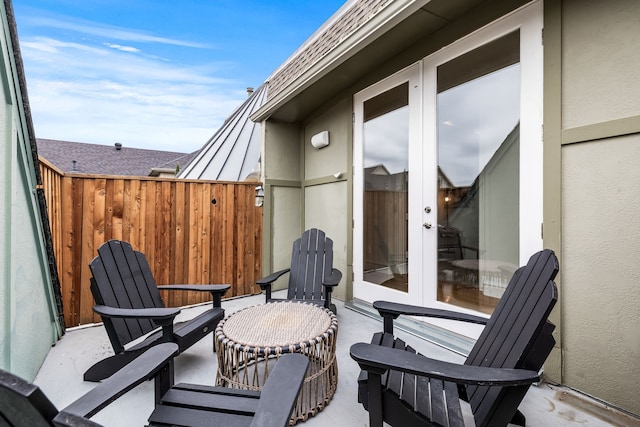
(155, 74)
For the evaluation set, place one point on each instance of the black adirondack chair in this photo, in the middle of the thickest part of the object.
(405, 388)
(311, 275)
(129, 302)
(23, 404)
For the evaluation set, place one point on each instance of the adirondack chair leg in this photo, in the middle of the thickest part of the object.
(217, 302)
(518, 419)
(374, 389)
(388, 323)
(327, 300)
(164, 381)
(109, 366)
(329, 305)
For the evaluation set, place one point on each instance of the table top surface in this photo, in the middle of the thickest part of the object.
(278, 324)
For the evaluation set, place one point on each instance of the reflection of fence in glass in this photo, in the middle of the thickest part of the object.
(385, 236)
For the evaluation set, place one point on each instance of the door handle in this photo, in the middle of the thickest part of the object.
(427, 225)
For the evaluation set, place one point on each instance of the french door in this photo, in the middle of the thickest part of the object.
(448, 171)
(388, 131)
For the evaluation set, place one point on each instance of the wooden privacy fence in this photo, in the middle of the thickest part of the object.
(385, 229)
(190, 231)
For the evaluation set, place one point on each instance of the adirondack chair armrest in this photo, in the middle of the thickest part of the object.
(141, 369)
(377, 359)
(391, 310)
(267, 281)
(217, 291)
(333, 280)
(160, 316)
(279, 394)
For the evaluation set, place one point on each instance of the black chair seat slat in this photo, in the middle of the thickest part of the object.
(222, 391)
(436, 397)
(393, 379)
(191, 398)
(405, 384)
(454, 410)
(176, 416)
(422, 405)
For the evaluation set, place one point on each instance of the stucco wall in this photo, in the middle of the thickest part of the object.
(601, 51)
(283, 196)
(600, 273)
(328, 182)
(600, 269)
(325, 208)
(27, 320)
(333, 159)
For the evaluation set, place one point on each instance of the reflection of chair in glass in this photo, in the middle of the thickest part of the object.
(451, 249)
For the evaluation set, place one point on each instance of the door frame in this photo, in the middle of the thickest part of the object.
(529, 20)
(367, 291)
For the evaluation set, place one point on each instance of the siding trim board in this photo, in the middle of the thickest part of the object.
(602, 130)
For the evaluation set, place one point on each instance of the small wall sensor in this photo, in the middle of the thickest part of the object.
(320, 140)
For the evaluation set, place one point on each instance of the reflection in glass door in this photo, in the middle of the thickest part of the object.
(385, 190)
(478, 145)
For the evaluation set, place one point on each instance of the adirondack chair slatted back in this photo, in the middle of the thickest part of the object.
(311, 262)
(517, 335)
(122, 278)
(23, 404)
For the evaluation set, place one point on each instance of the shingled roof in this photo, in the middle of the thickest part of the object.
(353, 16)
(76, 157)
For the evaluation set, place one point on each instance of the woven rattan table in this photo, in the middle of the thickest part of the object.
(249, 341)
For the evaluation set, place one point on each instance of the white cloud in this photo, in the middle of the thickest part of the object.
(106, 31)
(103, 94)
(122, 48)
(386, 139)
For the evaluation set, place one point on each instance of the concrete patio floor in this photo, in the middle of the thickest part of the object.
(61, 377)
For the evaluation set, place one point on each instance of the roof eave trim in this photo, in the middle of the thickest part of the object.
(362, 37)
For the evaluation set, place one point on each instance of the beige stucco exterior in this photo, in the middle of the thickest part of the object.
(591, 179)
(601, 210)
(600, 204)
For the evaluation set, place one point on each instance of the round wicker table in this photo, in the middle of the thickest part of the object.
(249, 341)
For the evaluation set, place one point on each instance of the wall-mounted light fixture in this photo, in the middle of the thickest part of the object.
(259, 195)
(320, 140)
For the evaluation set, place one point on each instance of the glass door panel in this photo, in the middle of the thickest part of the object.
(478, 146)
(385, 190)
